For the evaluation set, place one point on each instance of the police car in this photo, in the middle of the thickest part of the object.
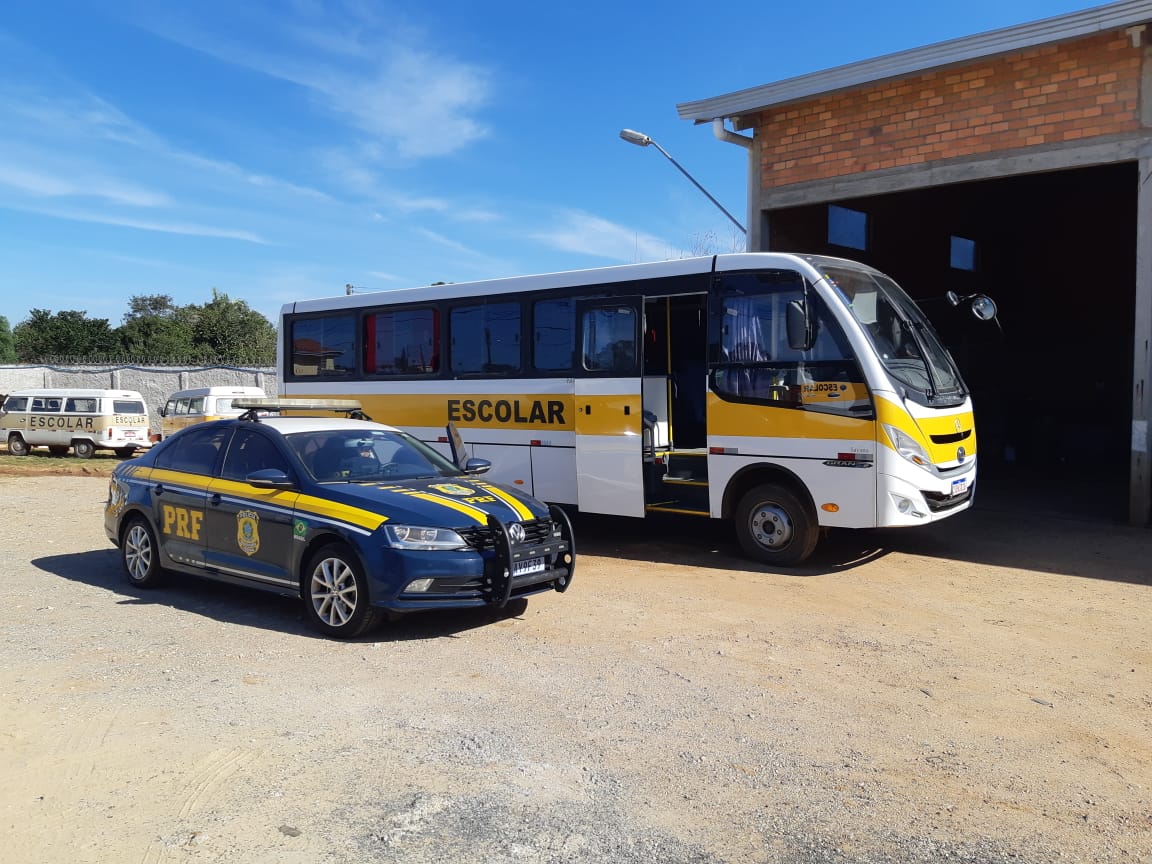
(357, 518)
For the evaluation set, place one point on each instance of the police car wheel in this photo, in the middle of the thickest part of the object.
(336, 593)
(140, 554)
(17, 446)
(84, 449)
(774, 527)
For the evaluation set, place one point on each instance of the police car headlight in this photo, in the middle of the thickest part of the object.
(908, 447)
(419, 537)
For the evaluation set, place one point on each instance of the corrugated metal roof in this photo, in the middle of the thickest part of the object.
(1114, 16)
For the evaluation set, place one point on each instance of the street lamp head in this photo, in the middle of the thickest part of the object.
(634, 137)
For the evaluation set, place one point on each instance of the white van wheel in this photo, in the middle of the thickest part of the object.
(84, 448)
(17, 446)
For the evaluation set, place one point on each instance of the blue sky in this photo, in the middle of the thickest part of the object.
(277, 151)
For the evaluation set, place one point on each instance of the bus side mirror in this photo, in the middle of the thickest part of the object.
(459, 454)
(801, 333)
(982, 306)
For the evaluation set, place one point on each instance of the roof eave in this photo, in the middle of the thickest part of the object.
(1075, 25)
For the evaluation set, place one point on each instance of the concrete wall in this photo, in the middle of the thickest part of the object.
(154, 383)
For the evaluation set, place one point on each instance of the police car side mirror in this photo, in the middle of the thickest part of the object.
(270, 478)
(477, 466)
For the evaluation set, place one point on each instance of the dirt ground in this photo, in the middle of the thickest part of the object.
(979, 690)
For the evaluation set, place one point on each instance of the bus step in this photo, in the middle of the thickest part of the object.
(691, 465)
(683, 481)
(674, 508)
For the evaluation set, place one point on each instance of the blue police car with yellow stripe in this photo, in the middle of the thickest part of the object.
(357, 518)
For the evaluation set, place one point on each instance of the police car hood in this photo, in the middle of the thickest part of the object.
(447, 502)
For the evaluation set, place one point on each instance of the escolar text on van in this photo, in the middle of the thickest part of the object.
(85, 420)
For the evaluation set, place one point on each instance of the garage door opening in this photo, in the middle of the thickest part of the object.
(1057, 251)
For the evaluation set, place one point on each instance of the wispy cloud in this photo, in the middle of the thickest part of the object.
(369, 69)
(187, 228)
(586, 234)
(40, 184)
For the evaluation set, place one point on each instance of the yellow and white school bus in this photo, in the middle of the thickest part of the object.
(198, 404)
(783, 392)
(84, 419)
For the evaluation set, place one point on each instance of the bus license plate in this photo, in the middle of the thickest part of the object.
(959, 487)
(532, 565)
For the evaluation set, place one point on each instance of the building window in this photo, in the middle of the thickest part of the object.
(847, 228)
(963, 254)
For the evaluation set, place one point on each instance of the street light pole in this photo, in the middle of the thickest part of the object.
(642, 140)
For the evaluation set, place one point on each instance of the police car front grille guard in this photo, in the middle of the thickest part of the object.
(538, 533)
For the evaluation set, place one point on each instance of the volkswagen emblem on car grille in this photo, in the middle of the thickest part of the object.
(516, 532)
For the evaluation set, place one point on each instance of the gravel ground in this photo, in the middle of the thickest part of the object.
(977, 691)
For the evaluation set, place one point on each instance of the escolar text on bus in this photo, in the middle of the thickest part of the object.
(545, 413)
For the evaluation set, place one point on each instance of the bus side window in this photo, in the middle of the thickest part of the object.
(402, 342)
(756, 363)
(610, 340)
(485, 338)
(324, 346)
(554, 335)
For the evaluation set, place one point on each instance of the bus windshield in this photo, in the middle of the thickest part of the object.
(905, 341)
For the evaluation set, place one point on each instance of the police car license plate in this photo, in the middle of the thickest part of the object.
(531, 565)
(959, 487)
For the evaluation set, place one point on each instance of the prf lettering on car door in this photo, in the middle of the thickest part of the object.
(182, 522)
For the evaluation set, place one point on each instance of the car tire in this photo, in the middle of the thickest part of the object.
(335, 593)
(140, 554)
(84, 448)
(774, 526)
(17, 446)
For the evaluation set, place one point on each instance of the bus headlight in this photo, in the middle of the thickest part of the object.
(908, 447)
(420, 537)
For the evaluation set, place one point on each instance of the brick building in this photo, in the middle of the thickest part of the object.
(1015, 163)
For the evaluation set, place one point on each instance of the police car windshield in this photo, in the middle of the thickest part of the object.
(367, 456)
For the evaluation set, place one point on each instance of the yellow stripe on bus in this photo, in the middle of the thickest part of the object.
(763, 421)
(546, 412)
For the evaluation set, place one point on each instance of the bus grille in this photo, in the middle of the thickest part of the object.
(938, 501)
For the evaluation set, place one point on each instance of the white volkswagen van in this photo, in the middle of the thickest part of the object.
(185, 407)
(85, 420)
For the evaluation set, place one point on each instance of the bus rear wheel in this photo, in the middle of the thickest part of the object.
(774, 526)
(84, 448)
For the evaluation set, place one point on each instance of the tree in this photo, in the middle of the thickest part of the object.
(7, 342)
(152, 331)
(65, 336)
(230, 329)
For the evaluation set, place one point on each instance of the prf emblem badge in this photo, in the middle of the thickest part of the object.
(452, 489)
(248, 531)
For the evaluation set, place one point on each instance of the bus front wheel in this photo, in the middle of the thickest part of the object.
(774, 526)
